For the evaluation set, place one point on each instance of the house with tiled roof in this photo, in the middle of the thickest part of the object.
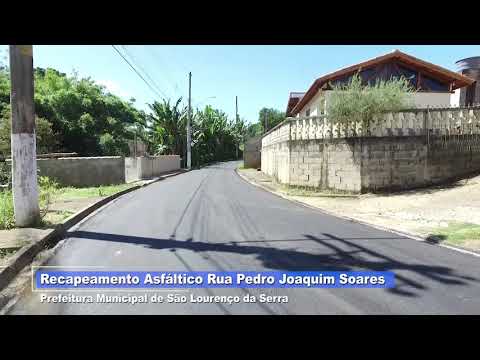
(435, 86)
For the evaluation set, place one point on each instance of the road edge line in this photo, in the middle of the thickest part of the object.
(358, 221)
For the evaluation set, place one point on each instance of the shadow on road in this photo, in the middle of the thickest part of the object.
(353, 259)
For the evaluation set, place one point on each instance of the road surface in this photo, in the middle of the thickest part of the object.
(211, 219)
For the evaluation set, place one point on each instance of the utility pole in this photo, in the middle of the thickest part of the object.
(24, 152)
(236, 108)
(266, 120)
(135, 144)
(189, 120)
(236, 122)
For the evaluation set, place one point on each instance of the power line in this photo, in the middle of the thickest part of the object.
(129, 54)
(181, 66)
(154, 87)
(133, 68)
(178, 62)
(155, 56)
(178, 65)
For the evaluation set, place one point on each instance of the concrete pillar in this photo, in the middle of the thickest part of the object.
(24, 158)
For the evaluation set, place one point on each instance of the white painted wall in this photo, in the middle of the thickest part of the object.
(420, 99)
(157, 165)
(316, 105)
(455, 98)
(424, 99)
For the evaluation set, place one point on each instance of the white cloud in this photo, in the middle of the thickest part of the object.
(114, 88)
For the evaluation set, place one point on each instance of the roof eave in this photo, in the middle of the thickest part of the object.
(459, 80)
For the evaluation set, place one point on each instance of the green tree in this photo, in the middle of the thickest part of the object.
(168, 127)
(112, 146)
(5, 133)
(269, 118)
(4, 88)
(47, 140)
(74, 115)
(215, 137)
(83, 112)
(254, 129)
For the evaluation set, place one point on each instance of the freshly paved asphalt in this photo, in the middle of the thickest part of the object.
(211, 219)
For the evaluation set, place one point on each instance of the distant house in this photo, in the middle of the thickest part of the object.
(435, 85)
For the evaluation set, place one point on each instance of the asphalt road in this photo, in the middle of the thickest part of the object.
(211, 219)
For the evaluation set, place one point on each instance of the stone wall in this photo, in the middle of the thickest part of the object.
(400, 151)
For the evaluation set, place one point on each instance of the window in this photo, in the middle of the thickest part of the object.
(431, 84)
(307, 112)
(408, 74)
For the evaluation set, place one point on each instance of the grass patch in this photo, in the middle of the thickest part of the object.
(48, 194)
(461, 234)
(54, 218)
(7, 220)
(69, 193)
(7, 252)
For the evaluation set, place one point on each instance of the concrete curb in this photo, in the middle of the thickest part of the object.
(375, 226)
(25, 255)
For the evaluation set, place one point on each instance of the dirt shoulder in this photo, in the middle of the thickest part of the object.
(65, 202)
(448, 214)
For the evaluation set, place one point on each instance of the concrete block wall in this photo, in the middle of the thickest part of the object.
(451, 159)
(397, 163)
(371, 164)
(252, 159)
(132, 169)
(401, 150)
(325, 164)
(84, 171)
(165, 163)
(275, 161)
(105, 170)
(251, 153)
(149, 167)
(343, 166)
(390, 163)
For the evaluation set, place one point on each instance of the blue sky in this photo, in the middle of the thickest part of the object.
(259, 75)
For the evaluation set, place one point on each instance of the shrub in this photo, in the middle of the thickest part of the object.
(7, 220)
(48, 188)
(111, 146)
(5, 174)
(355, 102)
